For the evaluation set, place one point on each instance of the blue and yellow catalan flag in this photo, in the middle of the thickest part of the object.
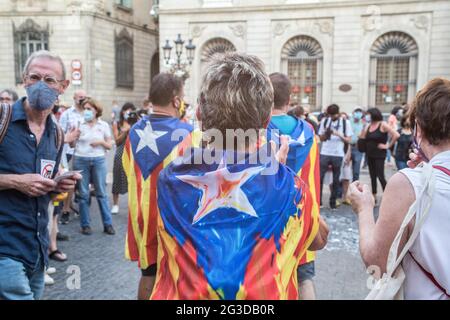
(153, 143)
(231, 230)
(303, 159)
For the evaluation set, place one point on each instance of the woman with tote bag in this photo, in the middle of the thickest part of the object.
(408, 247)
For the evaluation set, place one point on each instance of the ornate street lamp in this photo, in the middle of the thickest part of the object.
(190, 50)
(179, 67)
(154, 11)
(166, 51)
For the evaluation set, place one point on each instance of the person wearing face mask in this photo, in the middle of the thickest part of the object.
(30, 154)
(334, 132)
(148, 149)
(90, 151)
(121, 129)
(426, 237)
(357, 126)
(70, 122)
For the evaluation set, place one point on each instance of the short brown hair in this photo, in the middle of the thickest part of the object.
(281, 89)
(236, 93)
(431, 110)
(95, 104)
(164, 88)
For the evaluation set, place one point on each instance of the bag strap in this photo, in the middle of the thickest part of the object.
(393, 261)
(5, 118)
(344, 126)
(59, 134)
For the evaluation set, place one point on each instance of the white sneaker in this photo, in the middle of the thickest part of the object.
(48, 280)
(115, 209)
(50, 270)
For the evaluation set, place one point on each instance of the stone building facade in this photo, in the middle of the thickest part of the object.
(353, 53)
(114, 42)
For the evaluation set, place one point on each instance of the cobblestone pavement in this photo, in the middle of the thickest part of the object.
(105, 274)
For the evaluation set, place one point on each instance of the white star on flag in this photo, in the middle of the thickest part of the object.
(148, 138)
(222, 189)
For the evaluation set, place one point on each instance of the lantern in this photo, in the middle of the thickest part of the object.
(190, 49)
(296, 89)
(398, 88)
(166, 51)
(308, 89)
(384, 88)
(179, 45)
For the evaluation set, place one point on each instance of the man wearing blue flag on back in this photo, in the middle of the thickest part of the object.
(303, 159)
(232, 229)
(152, 144)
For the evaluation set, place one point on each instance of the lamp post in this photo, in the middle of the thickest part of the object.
(178, 66)
(154, 11)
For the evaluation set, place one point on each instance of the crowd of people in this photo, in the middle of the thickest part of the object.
(351, 142)
(197, 229)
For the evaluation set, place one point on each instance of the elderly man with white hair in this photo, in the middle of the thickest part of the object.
(30, 153)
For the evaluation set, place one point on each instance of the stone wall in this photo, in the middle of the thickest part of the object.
(85, 30)
(346, 30)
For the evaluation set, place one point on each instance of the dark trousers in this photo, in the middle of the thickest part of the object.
(336, 163)
(376, 170)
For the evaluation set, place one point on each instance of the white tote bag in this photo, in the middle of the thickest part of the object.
(390, 286)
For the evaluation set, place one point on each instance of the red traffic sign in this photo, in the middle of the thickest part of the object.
(76, 64)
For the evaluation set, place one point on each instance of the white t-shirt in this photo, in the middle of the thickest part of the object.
(334, 146)
(88, 134)
(70, 119)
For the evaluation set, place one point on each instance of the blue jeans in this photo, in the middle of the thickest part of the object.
(401, 164)
(18, 282)
(356, 162)
(93, 169)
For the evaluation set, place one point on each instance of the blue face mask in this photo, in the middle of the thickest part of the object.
(357, 115)
(368, 118)
(88, 115)
(41, 96)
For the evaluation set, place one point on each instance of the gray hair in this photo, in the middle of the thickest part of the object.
(11, 93)
(236, 93)
(47, 55)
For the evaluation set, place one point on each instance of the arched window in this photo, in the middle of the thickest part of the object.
(28, 38)
(154, 66)
(212, 47)
(124, 60)
(301, 59)
(393, 69)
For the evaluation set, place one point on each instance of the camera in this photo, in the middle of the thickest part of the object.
(133, 117)
(328, 133)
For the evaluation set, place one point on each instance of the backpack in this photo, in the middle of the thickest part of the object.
(5, 119)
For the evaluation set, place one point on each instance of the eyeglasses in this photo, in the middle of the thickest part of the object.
(51, 81)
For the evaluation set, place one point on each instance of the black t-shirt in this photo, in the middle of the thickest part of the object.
(403, 146)
(372, 140)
